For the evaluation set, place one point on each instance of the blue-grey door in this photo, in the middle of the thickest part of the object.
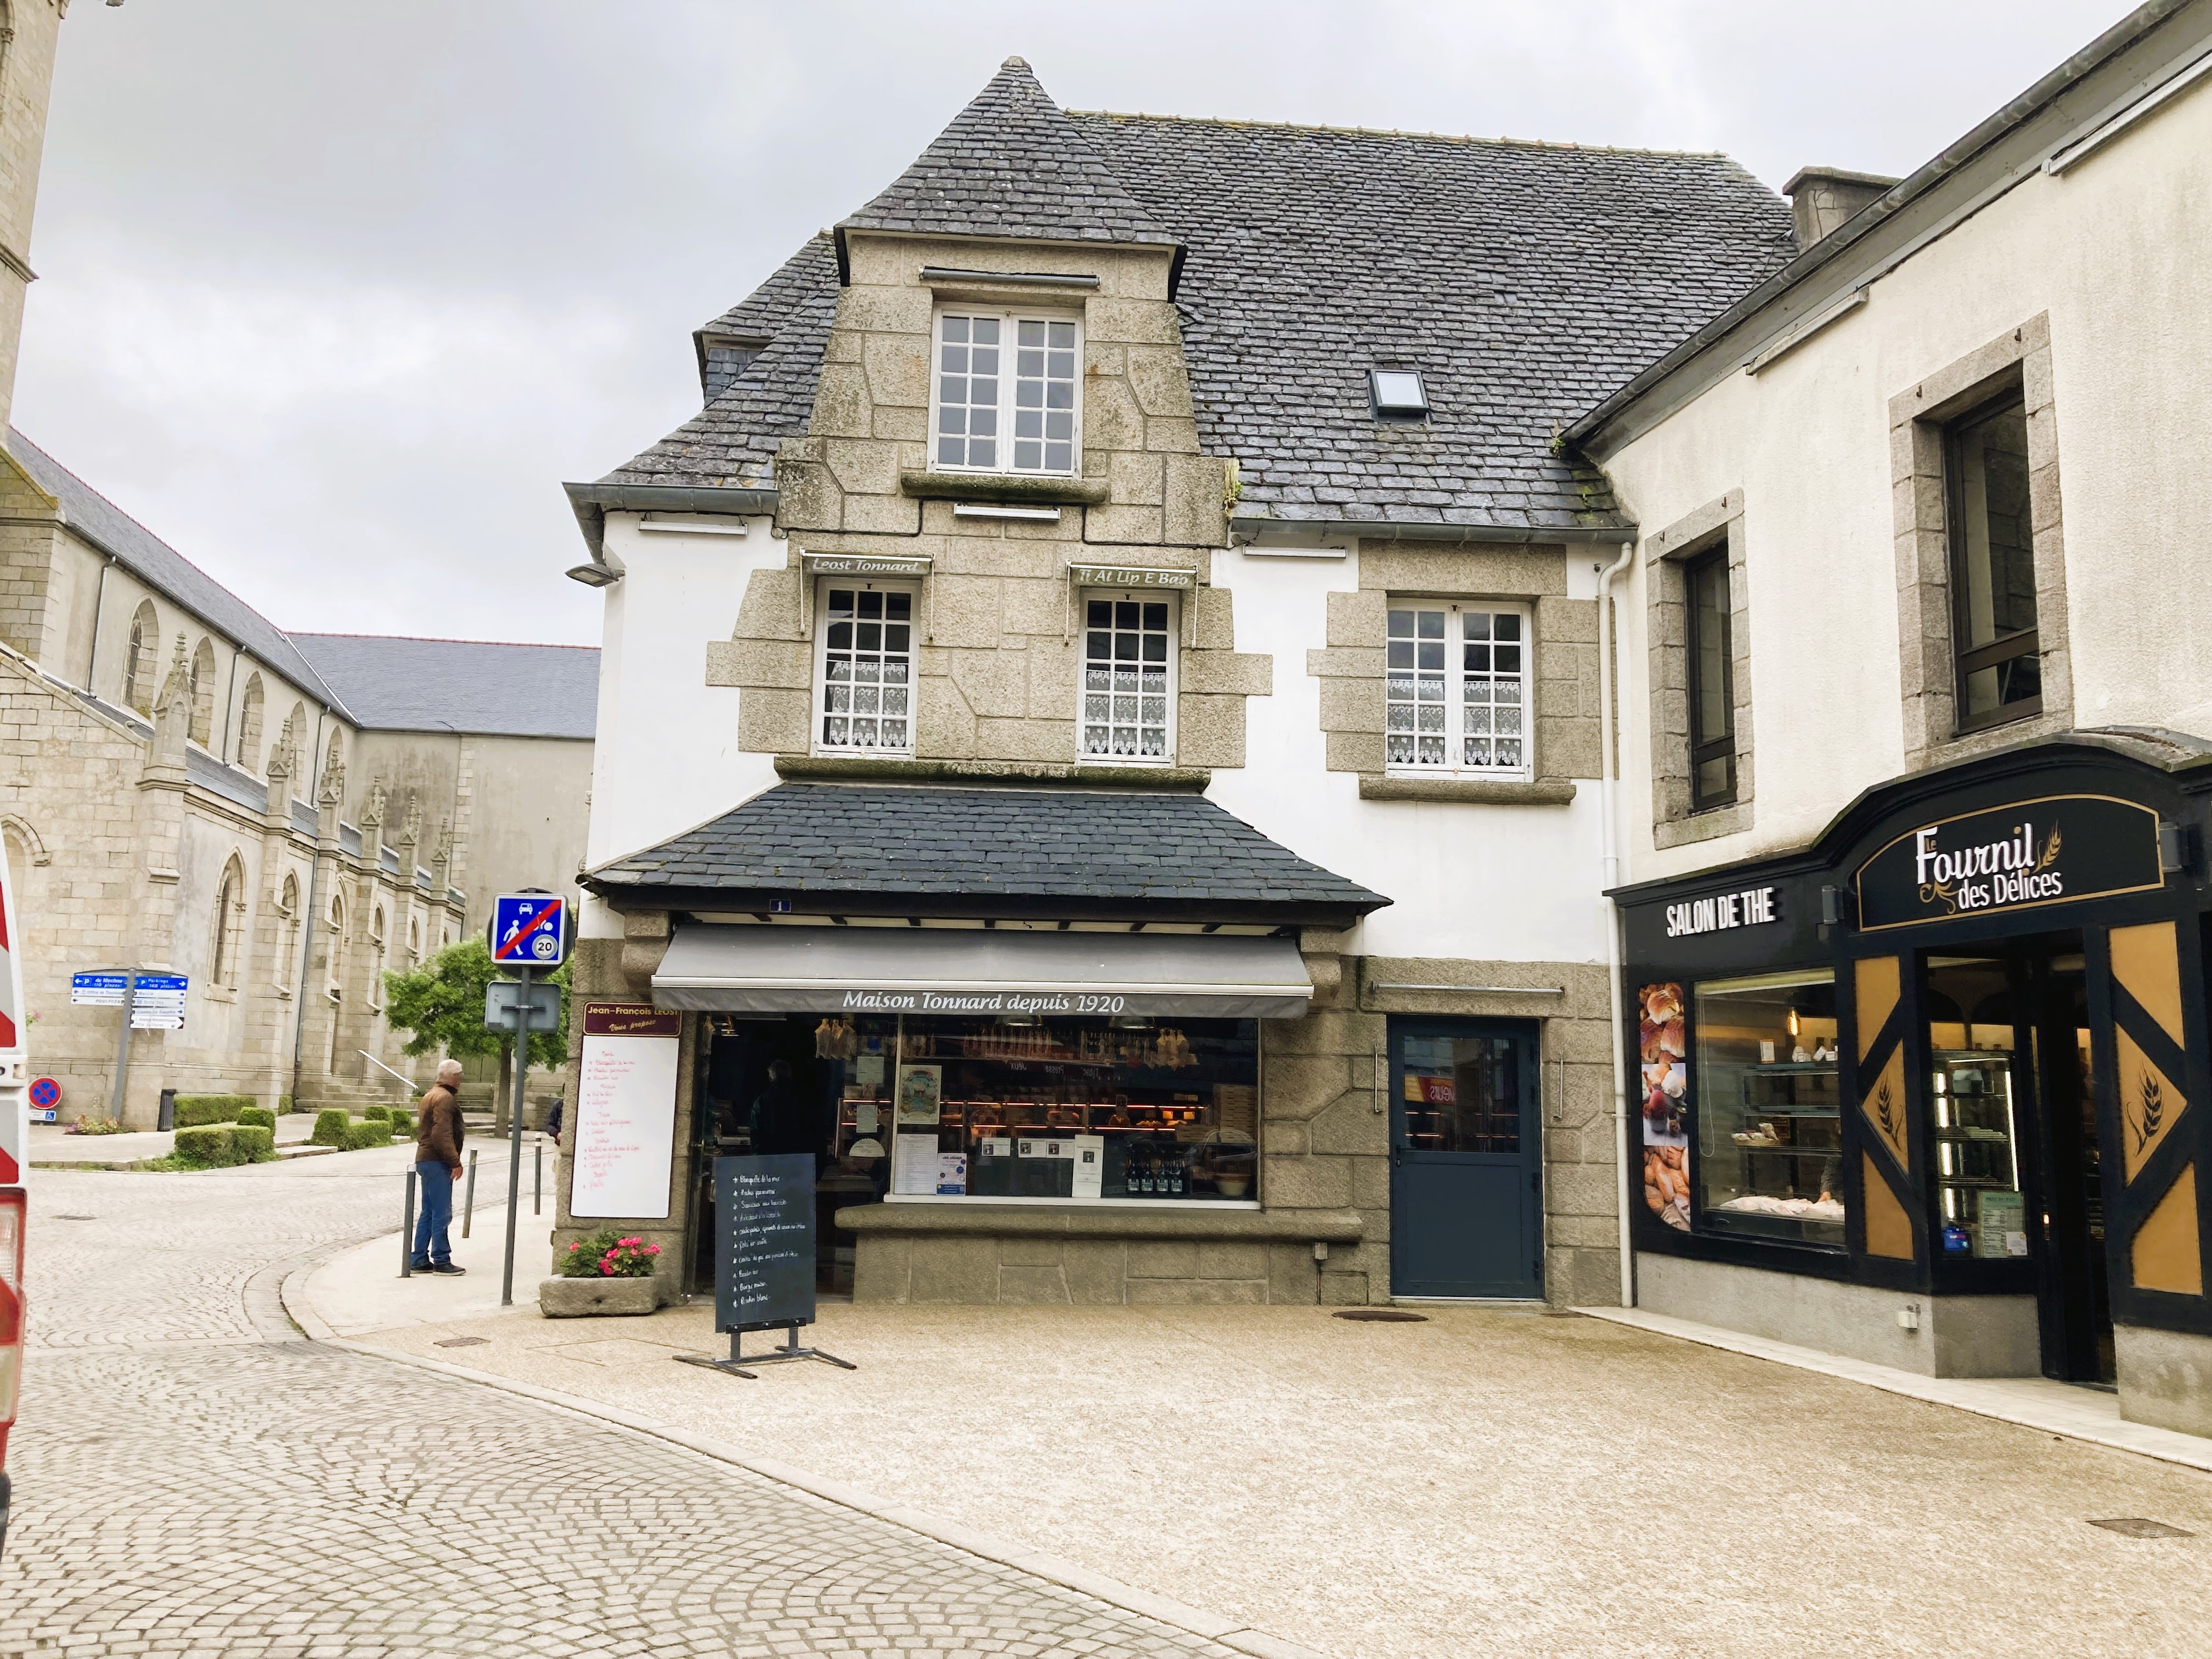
(1465, 1179)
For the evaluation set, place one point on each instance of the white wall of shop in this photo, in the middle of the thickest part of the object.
(666, 757)
(1481, 883)
(2118, 250)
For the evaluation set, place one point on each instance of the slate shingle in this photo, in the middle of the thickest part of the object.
(1526, 280)
(1078, 845)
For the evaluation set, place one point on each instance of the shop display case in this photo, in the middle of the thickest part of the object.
(1769, 1158)
(1982, 1210)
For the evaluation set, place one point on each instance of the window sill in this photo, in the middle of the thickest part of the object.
(1018, 487)
(830, 768)
(1096, 1219)
(1708, 825)
(1494, 791)
(220, 993)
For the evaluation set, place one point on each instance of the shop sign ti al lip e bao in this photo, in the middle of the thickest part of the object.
(2049, 851)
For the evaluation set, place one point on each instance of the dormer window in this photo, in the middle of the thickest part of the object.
(1398, 393)
(1004, 398)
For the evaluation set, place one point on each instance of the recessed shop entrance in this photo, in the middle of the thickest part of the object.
(1466, 1178)
(2012, 1102)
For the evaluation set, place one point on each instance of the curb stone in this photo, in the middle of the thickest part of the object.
(1194, 1621)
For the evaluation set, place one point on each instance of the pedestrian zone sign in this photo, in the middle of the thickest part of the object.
(529, 930)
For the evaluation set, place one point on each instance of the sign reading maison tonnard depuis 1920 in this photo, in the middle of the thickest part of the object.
(2053, 850)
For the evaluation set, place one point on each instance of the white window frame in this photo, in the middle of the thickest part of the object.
(1456, 610)
(1007, 407)
(818, 710)
(1085, 598)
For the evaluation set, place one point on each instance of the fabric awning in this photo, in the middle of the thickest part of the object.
(980, 971)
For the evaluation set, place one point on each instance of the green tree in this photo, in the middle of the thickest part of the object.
(441, 1005)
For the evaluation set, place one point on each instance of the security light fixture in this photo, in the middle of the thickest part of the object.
(1398, 391)
(593, 575)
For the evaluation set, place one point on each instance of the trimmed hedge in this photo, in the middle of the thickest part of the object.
(220, 1145)
(258, 1117)
(331, 1126)
(367, 1112)
(195, 1110)
(369, 1132)
(403, 1122)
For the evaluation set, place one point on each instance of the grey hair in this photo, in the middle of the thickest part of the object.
(448, 1069)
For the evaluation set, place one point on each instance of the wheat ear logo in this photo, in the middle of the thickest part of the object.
(2151, 1111)
(1886, 1114)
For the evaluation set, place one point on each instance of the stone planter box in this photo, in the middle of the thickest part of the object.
(582, 1298)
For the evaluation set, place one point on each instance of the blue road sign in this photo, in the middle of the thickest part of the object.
(529, 930)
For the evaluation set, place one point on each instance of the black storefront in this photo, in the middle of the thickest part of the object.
(1951, 1061)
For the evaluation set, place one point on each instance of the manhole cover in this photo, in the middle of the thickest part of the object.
(461, 1342)
(2135, 1527)
(1395, 1315)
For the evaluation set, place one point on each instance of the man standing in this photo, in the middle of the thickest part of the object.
(437, 1168)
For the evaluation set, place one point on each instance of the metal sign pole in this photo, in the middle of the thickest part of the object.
(515, 1129)
(123, 1044)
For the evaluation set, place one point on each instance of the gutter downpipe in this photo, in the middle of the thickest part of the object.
(1610, 872)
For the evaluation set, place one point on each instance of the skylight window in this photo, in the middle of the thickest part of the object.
(1398, 391)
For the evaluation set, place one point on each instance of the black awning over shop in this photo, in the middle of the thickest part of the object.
(961, 850)
(979, 972)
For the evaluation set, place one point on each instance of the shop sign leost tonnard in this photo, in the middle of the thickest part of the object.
(2053, 850)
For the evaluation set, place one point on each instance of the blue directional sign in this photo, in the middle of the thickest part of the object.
(529, 930)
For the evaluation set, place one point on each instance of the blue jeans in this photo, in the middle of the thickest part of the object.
(434, 1184)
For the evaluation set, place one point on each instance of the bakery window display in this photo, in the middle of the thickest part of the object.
(1665, 1088)
(1031, 1106)
(1769, 1152)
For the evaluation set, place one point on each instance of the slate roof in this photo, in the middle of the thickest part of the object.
(1526, 280)
(399, 685)
(1012, 164)
(161, 567)
(730, 443)
(954, 843)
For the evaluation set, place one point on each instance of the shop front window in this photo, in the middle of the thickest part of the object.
(1027, 1107)
(1768, 1161)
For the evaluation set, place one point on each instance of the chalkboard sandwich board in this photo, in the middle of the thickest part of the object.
(763, 1257)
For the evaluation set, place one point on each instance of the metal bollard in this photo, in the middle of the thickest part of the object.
(537, 1179)
(407, 1228)
(469, 1198)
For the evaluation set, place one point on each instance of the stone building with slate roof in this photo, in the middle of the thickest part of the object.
(1107, 688)
(280, 818)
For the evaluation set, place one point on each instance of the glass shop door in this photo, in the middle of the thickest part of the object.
(2074, 1302)
(1466, 1174)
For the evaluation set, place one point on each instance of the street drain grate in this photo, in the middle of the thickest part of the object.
(2135, 1527)
(469, 1342)
(1395, 1315)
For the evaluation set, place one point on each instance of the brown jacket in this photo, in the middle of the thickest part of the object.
(438, 1137)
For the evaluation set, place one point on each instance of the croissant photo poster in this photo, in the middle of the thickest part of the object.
(1666, 1089)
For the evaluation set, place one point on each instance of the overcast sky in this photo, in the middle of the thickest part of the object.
(335, 295)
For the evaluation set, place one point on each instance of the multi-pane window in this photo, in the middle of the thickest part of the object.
(1128, 679)
(1994, 634)
(865, 686)
(1711, 681)
(1005, 397)
(1457, 688)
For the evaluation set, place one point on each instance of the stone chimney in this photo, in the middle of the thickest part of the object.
(1821, 198)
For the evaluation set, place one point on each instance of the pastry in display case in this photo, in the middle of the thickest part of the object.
(1769, 1154)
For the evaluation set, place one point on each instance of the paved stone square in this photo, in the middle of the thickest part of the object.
(192, 1476)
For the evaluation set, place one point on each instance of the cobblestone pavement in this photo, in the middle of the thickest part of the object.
(193, 1477)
